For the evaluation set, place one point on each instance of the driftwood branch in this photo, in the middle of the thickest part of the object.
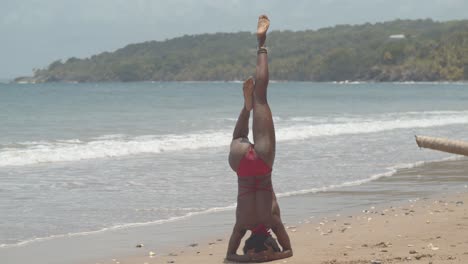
(442, 144)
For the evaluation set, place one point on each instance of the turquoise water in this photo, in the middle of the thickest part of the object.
(81, 159)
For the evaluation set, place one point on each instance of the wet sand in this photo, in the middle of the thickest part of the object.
(428, 229)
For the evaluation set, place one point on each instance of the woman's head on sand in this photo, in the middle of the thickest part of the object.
(258, 242)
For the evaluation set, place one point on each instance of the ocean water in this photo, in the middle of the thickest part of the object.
(81, 159)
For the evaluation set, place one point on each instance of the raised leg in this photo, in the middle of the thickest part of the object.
(242, 126)
(263, 128)
(240, 142)
(278, 226)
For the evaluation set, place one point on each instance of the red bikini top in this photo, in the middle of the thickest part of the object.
(252, 165)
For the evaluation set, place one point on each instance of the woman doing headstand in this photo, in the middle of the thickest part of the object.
(257, 208)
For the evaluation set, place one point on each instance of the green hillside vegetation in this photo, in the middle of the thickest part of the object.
(429, 51)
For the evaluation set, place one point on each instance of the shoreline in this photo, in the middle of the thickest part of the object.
(390, 172)
(297, 210)
(425, 228)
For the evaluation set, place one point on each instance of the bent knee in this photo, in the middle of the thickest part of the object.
(239, 147)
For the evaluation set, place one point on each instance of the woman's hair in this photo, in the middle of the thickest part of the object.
(258, 241)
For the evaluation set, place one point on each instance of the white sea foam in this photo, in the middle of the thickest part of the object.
(360, 126)
(108, 146)
(74, 150)
(431, 83)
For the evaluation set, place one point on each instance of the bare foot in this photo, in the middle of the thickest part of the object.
(248, 88)
(262, 28)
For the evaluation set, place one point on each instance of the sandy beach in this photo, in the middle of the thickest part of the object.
(418, 231)
(430, 229)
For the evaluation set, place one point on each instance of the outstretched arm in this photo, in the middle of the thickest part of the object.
(282, 236)
(234, 242)
(278, 227)
(283, 240)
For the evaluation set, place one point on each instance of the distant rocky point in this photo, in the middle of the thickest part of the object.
(26, 79)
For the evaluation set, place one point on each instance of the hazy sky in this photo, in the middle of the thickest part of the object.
(33, 33)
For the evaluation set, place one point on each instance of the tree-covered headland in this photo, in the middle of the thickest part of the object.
(401, 50)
